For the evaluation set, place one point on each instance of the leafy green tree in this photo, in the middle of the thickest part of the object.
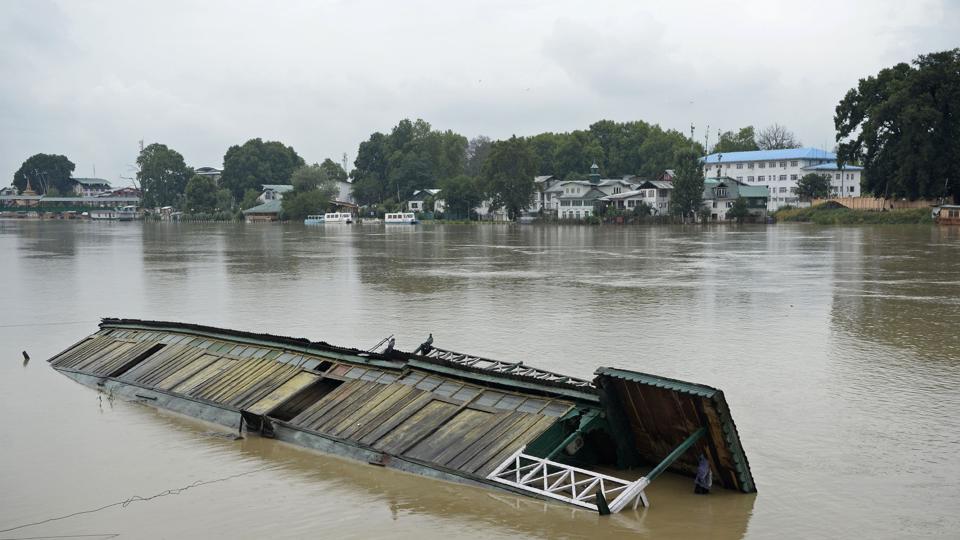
(224, 200)
(508, 174)
(311, 177)
(741, 141)
(739, 211)
(813, 186)
(777, 137)
(312, 192)
(687, 196)
(477, 151)
(256, 163)
(461, 194)
(163, 175)
(903, 125)
(413, 156)
(333, 170)
(45, 171)
(201, 194)
(370, 169)
(297, 206)
(576, 152)
(659, 150)
(544, 147)
(249, 199)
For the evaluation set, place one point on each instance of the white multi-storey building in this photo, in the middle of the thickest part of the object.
(779, 170)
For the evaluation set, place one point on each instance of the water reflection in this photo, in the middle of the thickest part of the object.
(836, 348)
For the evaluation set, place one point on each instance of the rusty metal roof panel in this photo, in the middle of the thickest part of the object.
(659, 413)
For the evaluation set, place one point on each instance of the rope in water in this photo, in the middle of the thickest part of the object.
(137, 498)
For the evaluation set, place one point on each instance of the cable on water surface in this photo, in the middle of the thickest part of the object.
(137, 498)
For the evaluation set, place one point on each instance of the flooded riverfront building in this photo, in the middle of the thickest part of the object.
(434, 412)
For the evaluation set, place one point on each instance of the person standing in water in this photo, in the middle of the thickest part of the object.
(704, 479)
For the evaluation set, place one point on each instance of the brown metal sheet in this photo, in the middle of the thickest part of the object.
(463, 427)
(522, 440)
(429, 418)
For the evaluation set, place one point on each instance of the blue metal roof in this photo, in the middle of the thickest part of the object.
(832, 167)
(772, 155)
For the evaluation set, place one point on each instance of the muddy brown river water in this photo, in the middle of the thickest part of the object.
(838, 350)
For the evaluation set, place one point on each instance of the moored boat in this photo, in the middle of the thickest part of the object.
(435, 412)
(123, 213)
(400, 218)
(947, 214)
(338, 217)
(314, 220)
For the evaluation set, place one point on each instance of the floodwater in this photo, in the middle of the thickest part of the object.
(837, 349)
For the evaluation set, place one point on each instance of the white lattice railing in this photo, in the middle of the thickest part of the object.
(569, 484)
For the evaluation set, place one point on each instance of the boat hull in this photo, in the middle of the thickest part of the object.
(281, 431)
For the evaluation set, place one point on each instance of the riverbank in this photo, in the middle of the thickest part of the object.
(822, 215)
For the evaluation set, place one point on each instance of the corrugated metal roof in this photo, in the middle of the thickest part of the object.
(662, 412)
(832, 167)
(659, 184)
(91, 181)
(435, 419)
(279, 188)
(772, 155)
(269, 207)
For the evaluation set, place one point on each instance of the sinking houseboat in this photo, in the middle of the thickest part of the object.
(595, 443)
(946, 214)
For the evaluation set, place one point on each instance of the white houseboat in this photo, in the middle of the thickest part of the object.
(314, 220)
(338, 217)
(405, 218)
(123, 213)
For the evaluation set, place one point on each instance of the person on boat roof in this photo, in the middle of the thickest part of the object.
(704, 478)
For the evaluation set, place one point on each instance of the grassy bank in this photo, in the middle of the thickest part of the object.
(822, 215)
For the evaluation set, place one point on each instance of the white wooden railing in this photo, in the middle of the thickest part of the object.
(568, 484)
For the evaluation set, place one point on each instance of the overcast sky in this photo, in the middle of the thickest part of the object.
(90, 79)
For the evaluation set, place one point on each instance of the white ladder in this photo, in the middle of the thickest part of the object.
(568, 484)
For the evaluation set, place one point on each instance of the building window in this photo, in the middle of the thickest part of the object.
(783, 189)
(739, 165)
(714, 204)
(851, 189)
(749, 179)
(739, 179)
(721, 192)
(760, 179)
(729, 204)
(838, 176)
(793, 163)
(783, 177)
(763, 164)
(783, 163)
(616, 190)
(750, 165)
(793, 177)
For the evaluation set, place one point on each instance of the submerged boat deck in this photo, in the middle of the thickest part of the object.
(443, 414)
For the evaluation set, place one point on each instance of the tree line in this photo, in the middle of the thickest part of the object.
(901, 125)
(390, 166)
